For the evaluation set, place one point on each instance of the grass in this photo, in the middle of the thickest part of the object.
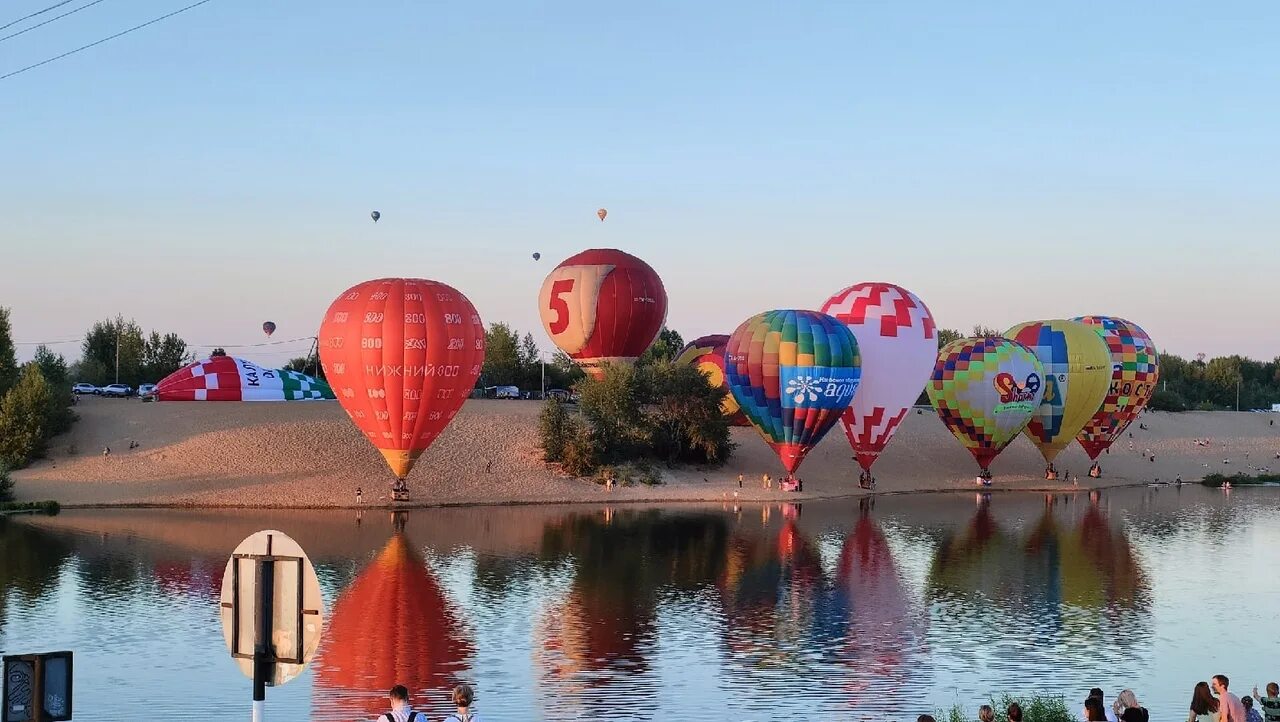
(1217, 480)
(1035, 708)
(47, 507)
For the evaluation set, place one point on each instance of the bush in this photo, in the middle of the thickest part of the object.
(630, 474)
(6, 484)
(47, 507)
(1167, 401)
(1036, 708)
(24, 419)
(634, 416)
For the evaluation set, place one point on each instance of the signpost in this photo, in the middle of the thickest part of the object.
(272, 613)
(37, 688)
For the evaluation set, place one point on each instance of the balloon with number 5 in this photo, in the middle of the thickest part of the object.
(402, 355)
(602, 306)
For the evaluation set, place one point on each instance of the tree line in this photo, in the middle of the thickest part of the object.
(36, 398)
(511, 359)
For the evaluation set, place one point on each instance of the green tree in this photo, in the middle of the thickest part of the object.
(530, 359)
(665, 348)
(99, 352)
(162, 355)
(53, 367)
(8, 354)
(501, 356)
(685, 413)
(309, 365)
(24, 419)
(947, 335)
(562, 372)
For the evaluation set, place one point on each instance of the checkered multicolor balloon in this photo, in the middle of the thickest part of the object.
(1135, 371)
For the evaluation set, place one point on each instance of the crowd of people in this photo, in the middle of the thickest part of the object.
(1210, 702)
(402, 711)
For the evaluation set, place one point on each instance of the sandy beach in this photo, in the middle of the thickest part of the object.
(309, 455)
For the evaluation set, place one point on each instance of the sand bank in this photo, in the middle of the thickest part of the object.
(309, 455)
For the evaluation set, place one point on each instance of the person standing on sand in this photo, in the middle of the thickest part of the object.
(1230, 708)
(739, 481)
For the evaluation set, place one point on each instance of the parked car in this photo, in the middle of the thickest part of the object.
(558, 394)
(506, 392)
(145, 390)
(117, 390)
(84, 389)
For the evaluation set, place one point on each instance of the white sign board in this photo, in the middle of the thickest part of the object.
(297, 617)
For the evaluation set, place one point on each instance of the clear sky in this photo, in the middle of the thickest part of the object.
(1006, 161)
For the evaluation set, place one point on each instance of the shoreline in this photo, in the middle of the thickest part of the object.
(307, 455)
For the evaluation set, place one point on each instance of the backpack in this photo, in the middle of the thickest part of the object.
(412, 716)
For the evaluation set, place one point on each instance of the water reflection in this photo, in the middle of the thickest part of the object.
(625, 613)
(392, 625)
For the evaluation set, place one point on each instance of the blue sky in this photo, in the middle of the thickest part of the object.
(1005, 161)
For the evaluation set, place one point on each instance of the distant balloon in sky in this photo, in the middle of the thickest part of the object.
(375, 216)
(1077, 372)
(402, 355)
(269, 327)
(985, 390)
(537, 256)
(899, 346)
(601, 214)
(793, 374)
(602, 306)
(1135, 370)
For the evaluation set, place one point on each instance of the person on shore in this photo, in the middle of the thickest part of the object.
(986, 714)
(1014, 712)
(359, 495)
(1204, 707)
(463, 696)
(1230, 709)
(1271, 703)
(1127, 709)
(400, 709)
(1096, 692)
(1094, 710)
(1250, 714)
(739, 481)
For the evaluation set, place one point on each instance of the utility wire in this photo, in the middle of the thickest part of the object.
(32, 15)
(46, 22)
(99, 42)
(197, 345)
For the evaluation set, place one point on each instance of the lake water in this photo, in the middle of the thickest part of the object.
(833, 610)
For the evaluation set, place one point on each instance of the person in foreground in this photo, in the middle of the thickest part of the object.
(1204, 708)
(1230, 709)
(400, 709)
(463, 696)
(1271, 703)
(1096, 693)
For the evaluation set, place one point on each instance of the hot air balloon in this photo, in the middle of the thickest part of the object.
(269, 327)
(985, 390)
(1077, 372)
(226, 378)
(375, 216)
(601, 306)
(1135, 369)
(793, 373)
(402, 355)
(537, 256)
(601, 213)
(899, 347)
(707, 355)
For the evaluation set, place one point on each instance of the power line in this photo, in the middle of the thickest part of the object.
(197, 345)
(99, 42)
(46, 22)
(32, 15)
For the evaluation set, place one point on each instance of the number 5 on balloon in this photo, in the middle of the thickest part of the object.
(560, 306)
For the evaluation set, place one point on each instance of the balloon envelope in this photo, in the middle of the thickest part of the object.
(375, 216)
(269, 328)
(707, 355)
(225, 378)
(1135, 370)
(403, 355)
(537, 256)
(898, 345)
(985, 390)
(1077, 372)
(601, 214)
(793, 373)
(602, 306)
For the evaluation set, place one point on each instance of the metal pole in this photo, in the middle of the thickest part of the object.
(263, 657)
(1237, 393)
(544, 378)
(117, 354)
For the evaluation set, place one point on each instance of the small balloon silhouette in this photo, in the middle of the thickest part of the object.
(375, 216)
